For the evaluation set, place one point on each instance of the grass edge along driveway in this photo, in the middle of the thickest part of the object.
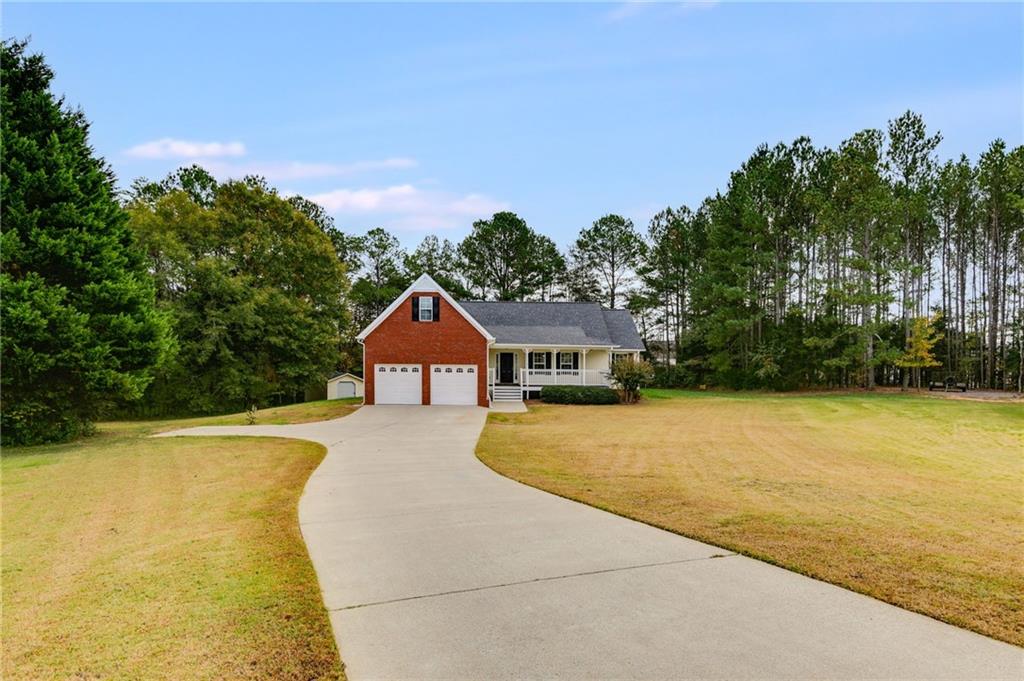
(911, 500)
(126, 556)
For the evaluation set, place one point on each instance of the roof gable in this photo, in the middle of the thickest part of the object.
(424, 284)
(344, 376)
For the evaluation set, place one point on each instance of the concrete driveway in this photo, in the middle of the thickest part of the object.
(433, 566)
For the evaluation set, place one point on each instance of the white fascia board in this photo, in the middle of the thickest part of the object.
(541, 346)
(424, 284)
(345, 377)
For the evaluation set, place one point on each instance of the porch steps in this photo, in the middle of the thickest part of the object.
(508, 393)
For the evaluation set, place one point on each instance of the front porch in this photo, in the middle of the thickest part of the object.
(515, 372)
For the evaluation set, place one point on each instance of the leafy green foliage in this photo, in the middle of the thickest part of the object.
(256, 291)
(631, 375)
(612, 248)
(920, 346)
(80, 328)
(578, 394)
(503, 256)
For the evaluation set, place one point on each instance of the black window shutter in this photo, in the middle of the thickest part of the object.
(547, 360)
(558, 360)
(575, 360)
(437, 308)
(415, 309)
(529, 360)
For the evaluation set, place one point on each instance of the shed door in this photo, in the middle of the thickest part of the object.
(453, 383)
(397, 384)
(346, 389)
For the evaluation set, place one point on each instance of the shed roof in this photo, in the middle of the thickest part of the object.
(344, 374)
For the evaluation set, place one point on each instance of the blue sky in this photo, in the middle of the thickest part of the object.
(421, 118)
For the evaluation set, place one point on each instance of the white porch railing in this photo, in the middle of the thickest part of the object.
(542, 377)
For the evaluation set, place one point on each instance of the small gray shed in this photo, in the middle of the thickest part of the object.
(344, 385)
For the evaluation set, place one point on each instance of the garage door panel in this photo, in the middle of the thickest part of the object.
(453, 383)
(398, 384)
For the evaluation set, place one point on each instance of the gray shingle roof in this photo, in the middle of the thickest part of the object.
(555, 323)
(622, 329)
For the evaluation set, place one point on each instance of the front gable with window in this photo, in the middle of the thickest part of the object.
(422, 330)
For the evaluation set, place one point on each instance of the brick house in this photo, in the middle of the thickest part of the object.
(427, 348)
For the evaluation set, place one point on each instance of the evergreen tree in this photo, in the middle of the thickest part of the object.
(80, 329)
(612, 248)
(504, 257)
(440, 260)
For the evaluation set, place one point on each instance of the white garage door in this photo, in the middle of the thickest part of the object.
(397, 384)
(453, 383)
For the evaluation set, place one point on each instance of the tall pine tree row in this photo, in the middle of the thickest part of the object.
(817, 266)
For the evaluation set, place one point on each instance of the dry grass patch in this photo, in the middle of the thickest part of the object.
(131, 557)
(915, 501)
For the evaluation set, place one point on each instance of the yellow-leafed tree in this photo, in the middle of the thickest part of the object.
(918, 354)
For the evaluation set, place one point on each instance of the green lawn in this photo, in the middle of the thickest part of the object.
(913, 500)
(131, 557)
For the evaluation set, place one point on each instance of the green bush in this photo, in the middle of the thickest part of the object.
(578, 394)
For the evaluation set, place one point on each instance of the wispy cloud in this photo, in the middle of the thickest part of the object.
(168, 147)
(409, 207)
(300, 170)
(626, 10)
(632, 8)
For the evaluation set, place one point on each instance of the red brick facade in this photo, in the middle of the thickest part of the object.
(400, 340)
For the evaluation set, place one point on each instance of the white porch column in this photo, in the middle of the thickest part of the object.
(583, 365)
(524, 372)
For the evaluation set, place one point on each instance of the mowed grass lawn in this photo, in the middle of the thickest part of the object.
(916, 501)
(131, 557)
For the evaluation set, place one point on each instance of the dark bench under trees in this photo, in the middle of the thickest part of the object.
(947, 385)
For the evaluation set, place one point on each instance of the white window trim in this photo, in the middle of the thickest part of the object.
(562, 356)
(426, 311)
(543, 357)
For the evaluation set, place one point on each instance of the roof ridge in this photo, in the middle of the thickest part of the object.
(535, 302)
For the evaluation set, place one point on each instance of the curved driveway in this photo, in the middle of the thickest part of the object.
(433, 566)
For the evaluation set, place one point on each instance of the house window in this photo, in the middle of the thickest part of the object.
(539, 360)
(426, 309)
(565, 360)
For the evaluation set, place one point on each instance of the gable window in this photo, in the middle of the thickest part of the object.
(426, 309)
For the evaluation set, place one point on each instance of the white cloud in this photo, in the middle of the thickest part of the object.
(627, 10)
(168, 147)
(300, 170)
(684, 7)
(406, 206)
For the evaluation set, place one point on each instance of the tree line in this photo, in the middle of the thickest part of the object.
(870, 264)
